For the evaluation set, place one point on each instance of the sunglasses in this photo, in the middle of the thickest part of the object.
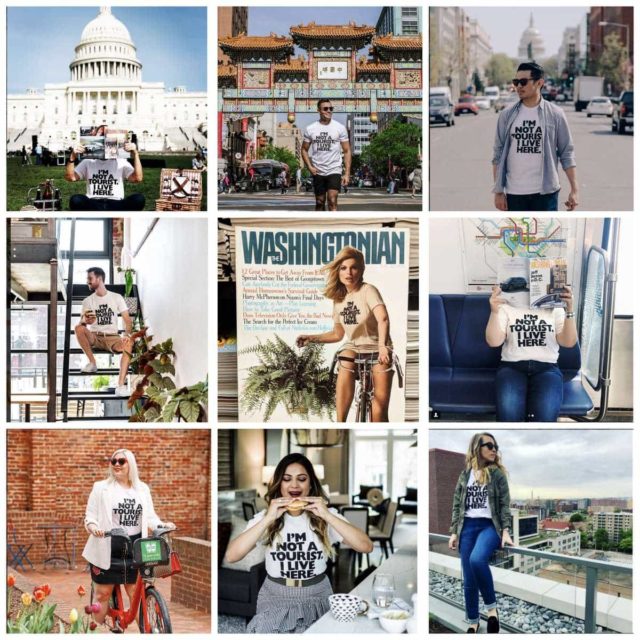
(522, 81)
(326, 109)
(118, 462)
(490, 446)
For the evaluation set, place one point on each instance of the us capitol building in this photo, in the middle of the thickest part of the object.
(106, 87)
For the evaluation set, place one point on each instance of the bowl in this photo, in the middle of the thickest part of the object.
(394, 621)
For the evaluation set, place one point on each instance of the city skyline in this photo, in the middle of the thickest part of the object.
(556, 464)
(171, 44)
(505, 25)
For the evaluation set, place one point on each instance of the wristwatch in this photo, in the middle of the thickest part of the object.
(571, 314)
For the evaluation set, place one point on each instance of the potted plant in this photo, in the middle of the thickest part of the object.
(132, 301)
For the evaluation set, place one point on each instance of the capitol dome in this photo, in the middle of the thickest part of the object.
(531, 36)
(106, 51)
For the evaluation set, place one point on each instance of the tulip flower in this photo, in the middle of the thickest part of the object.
(95, 607)
(11, 580)
(39, 594)
(81, 590)
(88, 609)
(73, 615)
(93, 626)
(26, 599)
(47, 589)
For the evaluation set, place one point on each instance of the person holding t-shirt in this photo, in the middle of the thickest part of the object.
(298, 542)
(98, 327)
(531, 137)
(327, 140)
(105, 182)
(529, 384)
(359, 313)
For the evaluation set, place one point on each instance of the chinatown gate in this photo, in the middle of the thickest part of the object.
(264, 77)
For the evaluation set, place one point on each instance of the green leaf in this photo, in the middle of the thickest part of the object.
(156, 379)
(151, 414)
(169, 411)
(168, 383)
(189, 410)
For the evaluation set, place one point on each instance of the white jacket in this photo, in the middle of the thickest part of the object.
(100, 512)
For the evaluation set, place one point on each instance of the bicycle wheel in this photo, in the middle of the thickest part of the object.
(157, 613)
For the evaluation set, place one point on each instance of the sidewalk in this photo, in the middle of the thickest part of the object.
(64, 584)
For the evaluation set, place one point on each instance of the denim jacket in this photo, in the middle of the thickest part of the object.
(557, 145)
(499, 500)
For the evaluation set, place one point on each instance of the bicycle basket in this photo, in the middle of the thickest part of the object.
(150, 552)
(167, 570)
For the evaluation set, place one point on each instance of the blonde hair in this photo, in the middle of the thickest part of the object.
(474, 462)
(334, 289)
(134, 479)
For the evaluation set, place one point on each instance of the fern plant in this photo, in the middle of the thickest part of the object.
(298, 380)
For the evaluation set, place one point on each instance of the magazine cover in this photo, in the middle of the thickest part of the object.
(114, 142)
(102, 143)
(286, 324)
(513, 278)
(532, 282)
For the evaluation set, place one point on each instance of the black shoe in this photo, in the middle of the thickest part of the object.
(493, 624)
(472, 630)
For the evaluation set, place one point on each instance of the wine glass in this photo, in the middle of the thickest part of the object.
(384, 590)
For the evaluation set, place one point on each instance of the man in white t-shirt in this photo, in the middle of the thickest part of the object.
(105, 182)
(98, 327)
(327, 140)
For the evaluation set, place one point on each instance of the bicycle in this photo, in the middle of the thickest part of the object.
(363, 371)
(147, 603)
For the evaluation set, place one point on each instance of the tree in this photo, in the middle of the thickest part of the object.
(477, 82)
(550, 66)
(584, 540)
(281, 154)
(601, 539)
(500, 69)
(576, 517)
(626, 542)
(613, 63)
(398, 144)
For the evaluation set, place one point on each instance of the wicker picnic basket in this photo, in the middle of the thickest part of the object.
(180, 190)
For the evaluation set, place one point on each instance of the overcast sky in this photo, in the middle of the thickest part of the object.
(171, 44)
(556, 463)
(505, 25)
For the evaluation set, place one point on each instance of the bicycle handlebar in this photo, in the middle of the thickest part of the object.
(121, 533)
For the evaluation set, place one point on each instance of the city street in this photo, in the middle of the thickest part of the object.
(460, 164)
(355, 200)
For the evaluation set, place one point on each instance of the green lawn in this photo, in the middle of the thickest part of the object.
(21, 178)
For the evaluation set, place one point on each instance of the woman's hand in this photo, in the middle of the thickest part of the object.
(567, 297)
(167, 525)
(317, 506)
(303, 341)
(506, 538)
(453, 541)
(495, 301)
(99, 533)
(384, 355)
(276, 508)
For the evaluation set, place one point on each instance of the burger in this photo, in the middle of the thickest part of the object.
(296, 506)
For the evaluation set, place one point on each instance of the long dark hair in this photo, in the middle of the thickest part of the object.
(318, 525)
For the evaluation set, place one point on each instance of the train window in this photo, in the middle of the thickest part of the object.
(593, 315)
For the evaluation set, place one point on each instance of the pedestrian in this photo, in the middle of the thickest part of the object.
(416, 181)
(23, 154)
(38, 153)
(226, 182)
(252, 178)
(480, 521)
(282, 178)
(328, 140)
(531, 137)
(298, 179)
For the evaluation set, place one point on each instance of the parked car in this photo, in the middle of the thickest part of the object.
(440, 111)
(466, 104)
(483, 103)
(511, 285)
(548, 301)
(510, 99)
(622, 118)
(600, 106)
(561, 97)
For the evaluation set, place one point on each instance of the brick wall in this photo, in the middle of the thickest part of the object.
(50, 473)
(118, 240)
(444, 470)
(192, 587)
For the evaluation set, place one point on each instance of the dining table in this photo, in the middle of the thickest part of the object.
(403, 566)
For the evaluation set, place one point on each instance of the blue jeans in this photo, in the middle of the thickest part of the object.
(478, 540)
(533, 201)
(528, 391)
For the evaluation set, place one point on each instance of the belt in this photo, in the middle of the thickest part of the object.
(290, 582)
(106, 335)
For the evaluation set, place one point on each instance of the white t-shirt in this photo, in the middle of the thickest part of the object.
(531, 333)
(298, 553)
(476, 503)
(107, 309)
(126, 509)
(326, 151)
(105, 178)
(524, 162)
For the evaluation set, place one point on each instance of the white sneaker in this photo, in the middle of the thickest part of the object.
(122, 391)
(90, 367)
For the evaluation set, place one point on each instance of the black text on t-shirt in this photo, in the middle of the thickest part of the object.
(350, 313)
(528, 137)
(102, 182)
(531, 331)
(104, 314)
(323, 141)
(297, 559)
(128, 513)
(476, 496)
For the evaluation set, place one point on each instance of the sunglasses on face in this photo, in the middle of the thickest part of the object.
(522, 81)
(326, 109)
(490, 446)
(118, 462)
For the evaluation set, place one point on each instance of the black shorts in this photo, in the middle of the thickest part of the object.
(121, 570)
(322, 184)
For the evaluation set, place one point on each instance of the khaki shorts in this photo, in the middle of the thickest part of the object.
(107, 342)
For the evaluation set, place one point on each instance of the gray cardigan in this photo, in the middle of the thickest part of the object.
(499, 500)
(557, 145)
